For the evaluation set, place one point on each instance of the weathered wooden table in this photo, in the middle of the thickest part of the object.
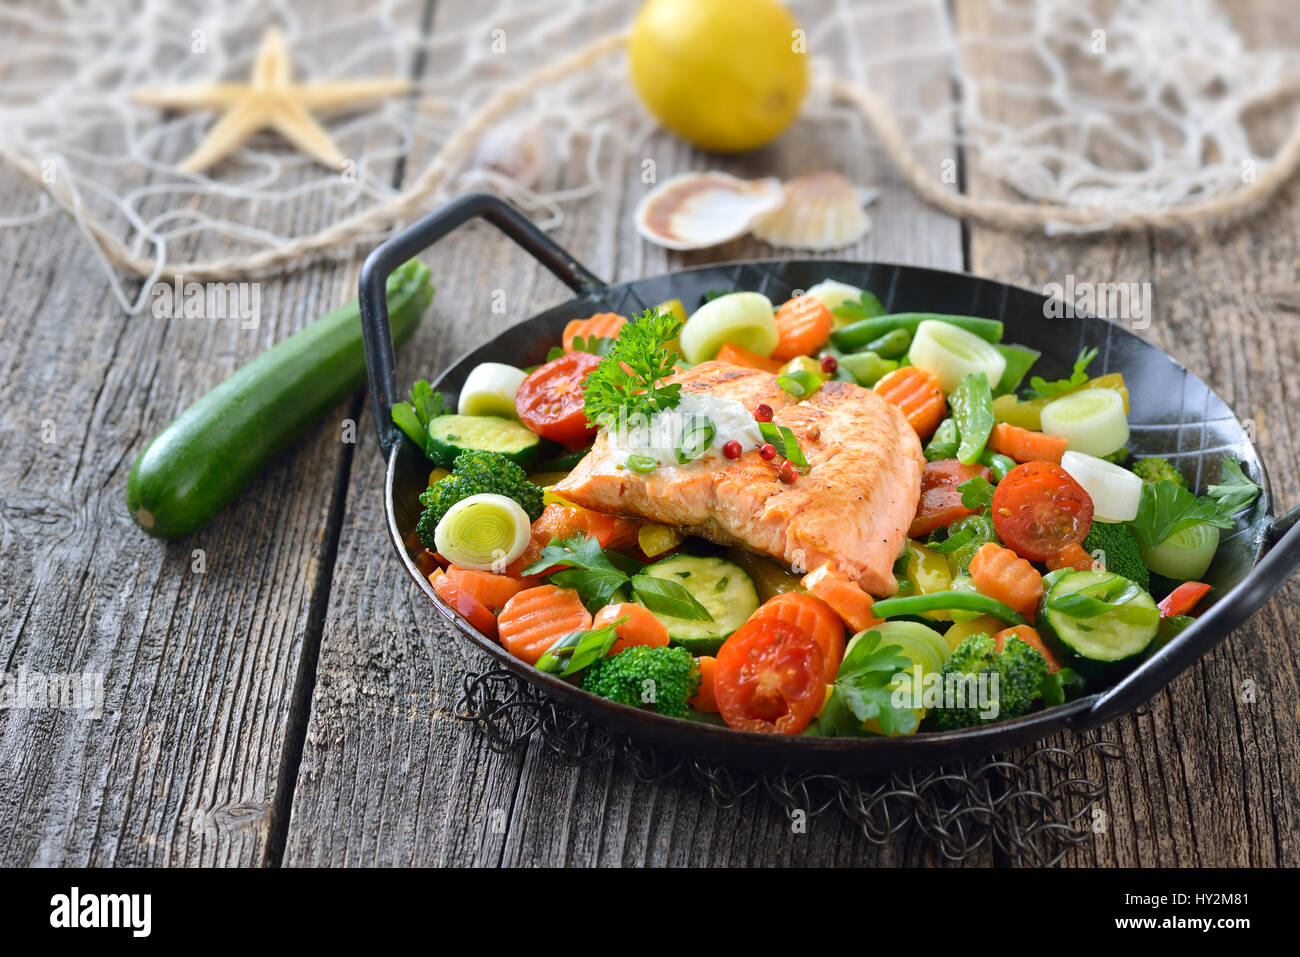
(292, 703)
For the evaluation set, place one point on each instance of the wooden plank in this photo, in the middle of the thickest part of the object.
(199, 669)
(1208, 777)
(388, 775)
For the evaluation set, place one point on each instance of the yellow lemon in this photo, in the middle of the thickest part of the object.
(727, 75)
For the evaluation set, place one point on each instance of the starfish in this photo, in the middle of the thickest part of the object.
(271, 100)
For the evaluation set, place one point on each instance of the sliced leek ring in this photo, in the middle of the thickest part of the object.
(490, 390)
(950, 353)
(1184, 555)
(484, 532)
(743, 318)
(1115, 491)
(1092, 421)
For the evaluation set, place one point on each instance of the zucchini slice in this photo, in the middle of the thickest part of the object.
(449, 435)
(1104, 644)
(720, 586)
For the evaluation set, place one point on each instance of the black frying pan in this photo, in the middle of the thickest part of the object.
(1174, 414)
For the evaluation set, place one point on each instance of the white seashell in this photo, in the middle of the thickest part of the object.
(821, 211)
(516, 151)
(696, 210)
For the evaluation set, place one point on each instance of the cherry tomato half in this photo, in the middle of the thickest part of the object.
(549, 400)
(1039, 509)
(940, 501)
(770, 676)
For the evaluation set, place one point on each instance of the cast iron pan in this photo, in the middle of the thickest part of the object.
(1174, 414)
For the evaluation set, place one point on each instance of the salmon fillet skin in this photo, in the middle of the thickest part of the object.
(842, 523)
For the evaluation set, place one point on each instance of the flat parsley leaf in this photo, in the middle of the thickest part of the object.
(1166, 508)
(1040, 388)
(866, 306)
(1235, 491)
(413, 417)
(976, 492)
(862, 691)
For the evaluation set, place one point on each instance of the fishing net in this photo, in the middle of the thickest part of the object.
(1094, 115)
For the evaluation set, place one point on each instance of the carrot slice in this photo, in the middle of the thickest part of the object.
(803, 325)
(1030, 637)
(1002, 574)
(740, 356)
(603, 325)
(704, 699)
(537, 618)
(463, 604)
(1022, 445)
(918, 395)
(846, 598)
(1073, 556)
(491, 590)
(815, 617)
(641, 627)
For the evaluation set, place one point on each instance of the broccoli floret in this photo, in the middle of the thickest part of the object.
(1156, 469)
(1119, 551)
(662, 678)
(473, 473)
(1020, 670)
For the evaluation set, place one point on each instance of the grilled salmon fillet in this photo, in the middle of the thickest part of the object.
(843, 522)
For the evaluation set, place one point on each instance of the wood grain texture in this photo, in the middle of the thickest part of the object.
(199, 668)
(1210, 769)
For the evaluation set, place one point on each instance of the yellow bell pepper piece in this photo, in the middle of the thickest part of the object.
(983, 625)
(437, 475)
(657, 539)
(929, 571)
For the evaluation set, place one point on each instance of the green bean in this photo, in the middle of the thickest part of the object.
(948, 601)
(891, 345)
(858, 334)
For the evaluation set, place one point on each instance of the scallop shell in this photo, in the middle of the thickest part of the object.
(696, 210)
(821, 211)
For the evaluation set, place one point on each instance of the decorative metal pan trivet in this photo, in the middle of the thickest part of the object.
(1033, 809)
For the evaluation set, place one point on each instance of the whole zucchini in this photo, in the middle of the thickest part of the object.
(205, 457)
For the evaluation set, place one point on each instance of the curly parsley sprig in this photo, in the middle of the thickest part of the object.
(628, 383)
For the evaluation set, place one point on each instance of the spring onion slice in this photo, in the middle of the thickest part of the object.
(1115, 491)
(1184, 555)
(644, 464)
(799, 382)
(483, 532)
(1092, 421)
(696, 440)
(951, 354)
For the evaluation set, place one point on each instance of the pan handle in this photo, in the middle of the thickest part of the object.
(420, 235)
(1282, 559)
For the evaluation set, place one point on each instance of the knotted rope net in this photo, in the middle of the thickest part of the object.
(1091, 114)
